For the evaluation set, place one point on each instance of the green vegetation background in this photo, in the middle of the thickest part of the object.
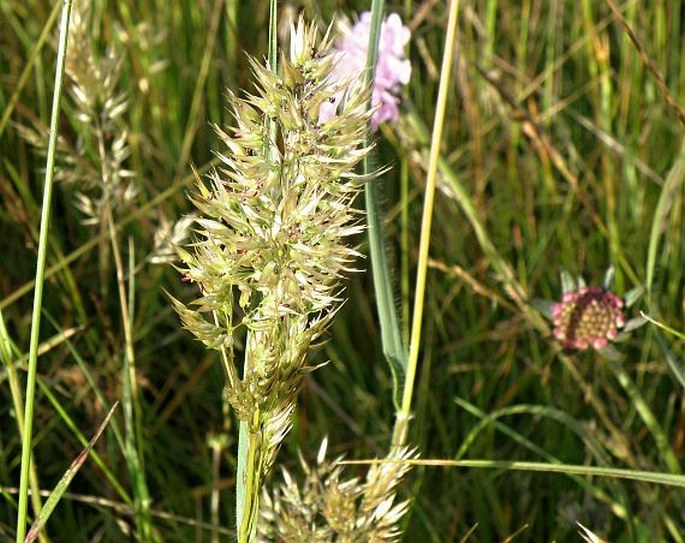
(564, 142)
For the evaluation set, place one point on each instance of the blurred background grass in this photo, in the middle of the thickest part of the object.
(563, 141)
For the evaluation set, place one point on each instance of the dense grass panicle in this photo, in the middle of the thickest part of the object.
(562, 151)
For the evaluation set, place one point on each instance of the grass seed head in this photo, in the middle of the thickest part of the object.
(272, 241)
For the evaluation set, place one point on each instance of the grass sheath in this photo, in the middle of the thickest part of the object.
(394, 349)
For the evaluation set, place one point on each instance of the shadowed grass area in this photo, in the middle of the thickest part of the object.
(560, 152)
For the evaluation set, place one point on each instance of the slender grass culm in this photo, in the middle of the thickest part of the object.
(40, 276)
(271, 247)
(404, 412)
(95, 164)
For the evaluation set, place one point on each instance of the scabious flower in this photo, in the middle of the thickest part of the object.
(392, 70)
(590, 316)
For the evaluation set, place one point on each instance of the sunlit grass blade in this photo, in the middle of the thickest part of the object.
(404, 413)
(588, 535)
(675, 363)
(663, 444)
(653, 477)
(666, 328)
(674, 180)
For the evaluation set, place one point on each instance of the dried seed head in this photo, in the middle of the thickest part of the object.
(95, 162)
(327, 508)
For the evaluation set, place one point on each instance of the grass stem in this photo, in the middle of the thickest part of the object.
(132, 418)
(403, 415)
(249, 475)
(40, 274)
(18, 404)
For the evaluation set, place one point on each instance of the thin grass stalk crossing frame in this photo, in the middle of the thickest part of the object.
(132, 417)
(40, 272)
(654, 477)
(404, 414)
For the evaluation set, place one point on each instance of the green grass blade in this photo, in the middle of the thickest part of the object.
(6, 349)
(9, 108)
(675, 363)
(673, 180)
(391, 334)
(653, 477)
(40, 274)
(12, 357)
(194, 119)
(663, 444)
(64, 482)
(487, 419)
(99, 461)
(663, 326)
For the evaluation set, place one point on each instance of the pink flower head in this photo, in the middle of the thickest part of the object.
(588, 317)
(392, 70)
